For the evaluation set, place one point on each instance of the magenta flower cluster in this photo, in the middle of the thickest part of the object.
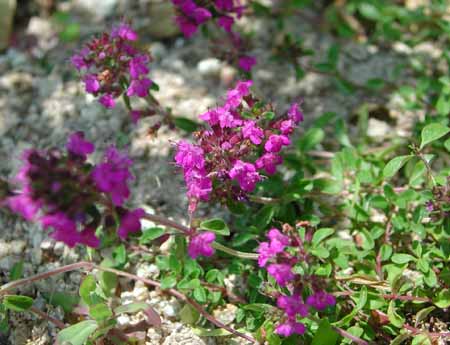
(201, 244)
(111, 66)
(192, 14)
(278, 256)
(228, 159)
(63, 192)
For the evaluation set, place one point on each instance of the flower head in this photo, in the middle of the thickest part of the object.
(281, 272)
(289, 328)
(247, 62)
(201, 244)
(78, 146)
(320, 300)
(113, 174)
(130, 222)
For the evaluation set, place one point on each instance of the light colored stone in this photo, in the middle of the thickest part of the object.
(97, 9)
(377, 129)
(17, 247)
(209, 67)
(171, 309)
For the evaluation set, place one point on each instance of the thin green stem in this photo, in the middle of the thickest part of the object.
(236, 253)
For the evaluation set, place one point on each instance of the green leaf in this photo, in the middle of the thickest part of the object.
(148, 235)
(361, 302)
(17, 303)
(417, 173)
(401, 258)
(78, 333)
(325, 334)
(168, 282)
(422, 314)
(108, 283)
(185, 124)
(421, 339)
(131, 308)
(216, 225)
(189, 315)
(100, 312)
(64, 300)
(394, 165)
(321, 234)
(311, 138)
(394, 318)
(442, 300)
(264, 216)
(369, 11)
(200, 294)
(433, 132)
(87, 287)
(447, 144)
(16, 271)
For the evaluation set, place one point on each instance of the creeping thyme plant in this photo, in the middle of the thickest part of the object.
(336, 239)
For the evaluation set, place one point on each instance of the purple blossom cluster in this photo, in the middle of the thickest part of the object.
(111, 66)
(228, 159)
(62, 191)
(192, 14)
(201, 244)
(278, 256)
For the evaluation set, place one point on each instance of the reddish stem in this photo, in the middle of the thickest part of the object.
(47, 317)
(167, 222)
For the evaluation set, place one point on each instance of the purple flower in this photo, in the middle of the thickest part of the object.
(189, 156)
(320, 300)
(201, 15)
(275, 142)
(290, 327)
(294, 113)
(247, 62)
(135, 115)
(281, 272)
(139, 87)
(265, 253)
(138, 66)
(24, 205)
(226, 23)
(65, 230)
(199, 185)
(113, 174)
(269, 162)
(201, 244)
(130, 222)
(287, 127)
(187, 27)
(235, 96)
(245, 174)
(278, 241)
(251, 131)
(224, 5)
(429, 206)
(91, 83)
(78, 146)
(292, 305)
(78, 62)
(125, 32)
(107, 100)
(267, 250)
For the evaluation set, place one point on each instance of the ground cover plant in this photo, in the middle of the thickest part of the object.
(336, 237)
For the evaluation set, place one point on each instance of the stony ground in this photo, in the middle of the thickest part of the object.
(41, 101)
